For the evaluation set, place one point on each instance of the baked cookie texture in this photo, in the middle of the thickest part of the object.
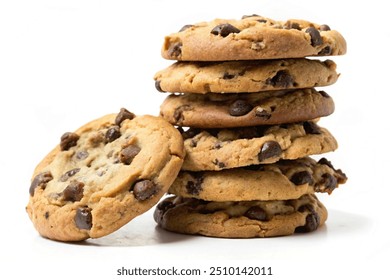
(283, 180)
(251, 38)
(103, 175)
(243, 219)
(218, 149)
(245, 76)
(246, 109)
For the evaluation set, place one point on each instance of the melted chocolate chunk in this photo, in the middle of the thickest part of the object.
(301, 178)
(292, 25)
(68, 140)
(281, 79)
(174, 50)
(112, 133)
(324, 27)
(195, 187)
(329, 181)
(157, 84)
(240, 108)
(312, 219)
(128, 154)
(326, 162)
(227, 76)
(74, 191)
(144, 190)
(123, 115)
(256, 213)
(69, 174)
(224, 29)
(269, 149)
(185, 27)
(40, 181)
(316, 39)
(165, 205)
(178, 114)
(326, 51)
(311, 128)
(190, 133)
(83, 218)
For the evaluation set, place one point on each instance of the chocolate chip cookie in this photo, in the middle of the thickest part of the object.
(217, 149)
(250, 38)
(246, 109)
(244, 219)
(245, 76)
(103, 175)
(285, 179)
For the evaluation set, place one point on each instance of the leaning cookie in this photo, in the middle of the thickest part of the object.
(253, 37)
(283, 180)
(246, 109)
(245, 76)
(244, 219)
(217, 149)
(103, 175)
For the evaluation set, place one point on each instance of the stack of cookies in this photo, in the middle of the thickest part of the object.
(245, 97)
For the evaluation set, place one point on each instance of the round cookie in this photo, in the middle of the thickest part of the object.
(285, 179)
(103, 175)
(250, 38)
(246, 109)
(244, 219)
(245, 76)
(217, 149)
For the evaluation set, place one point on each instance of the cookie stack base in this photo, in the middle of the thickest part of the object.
(246, 219)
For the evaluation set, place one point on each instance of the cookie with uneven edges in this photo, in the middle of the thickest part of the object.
(283, 180)
(103, 175)
(245, 76)
(250, 38)
(215, 110)
(217, 149)
(243, 219)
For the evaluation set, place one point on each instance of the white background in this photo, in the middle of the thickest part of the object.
(63, 63)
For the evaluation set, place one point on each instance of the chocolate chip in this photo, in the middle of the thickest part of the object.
(326, 162)
(82, 155)
(269, 149)
(194, 186)
(248, 16)
(227, 76)
(316, 39)
(165, 205)
(40, 181)
(83, 218)
(324, 94)
(190, 133)
(69, 174)
(219, 163)
(185, 27)
(281, 79)
(123, 114)
(144, 190)
(311, 128)
(74, 191)
(157, 84)
(324, 27)
(326, 51)
(47, 215)
(193, 143)
(174, 50)
(292, 25)
(112, 133)
(68, 140)
(239, 108)
(218, 145)
(224, 29)
(262, 20)
(256, 213)
(128, 154)
(178, 114)
(329, 181)
(312, 219)
(262, 113)
(303, 177)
